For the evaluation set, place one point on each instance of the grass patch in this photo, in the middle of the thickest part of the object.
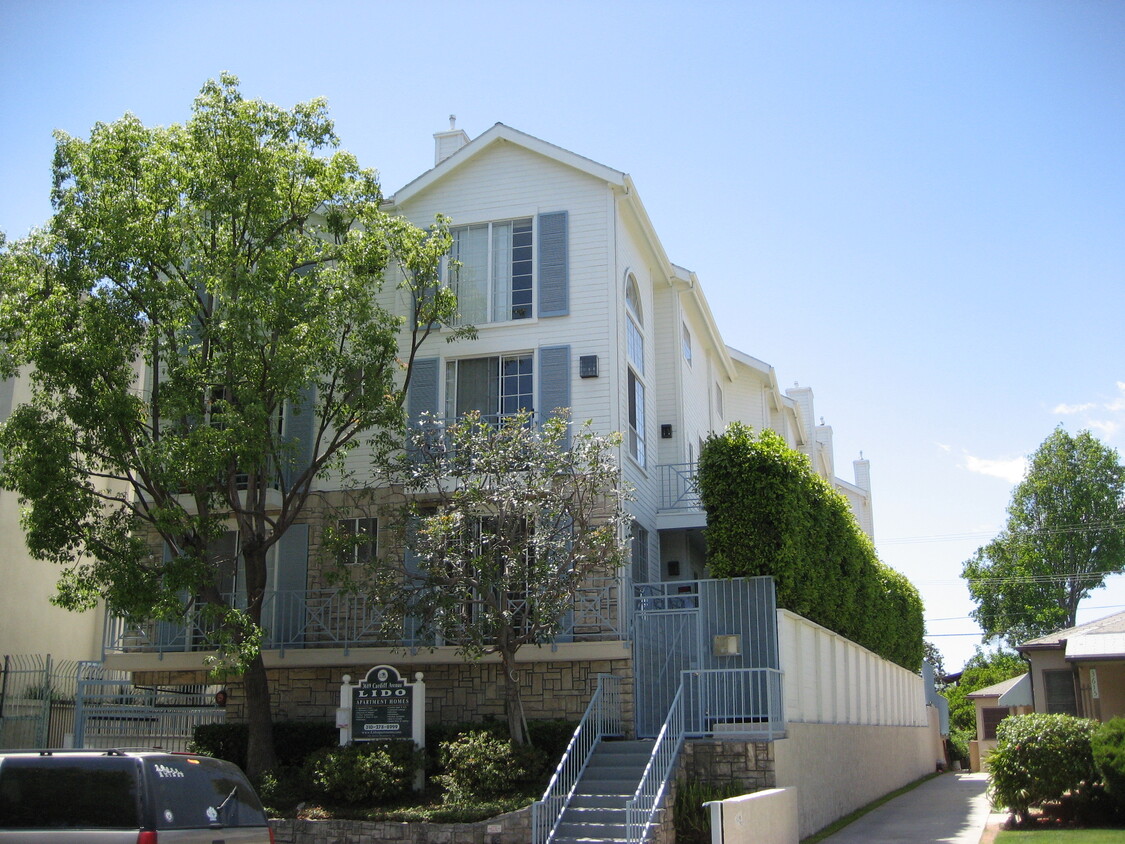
(1063, 836)
(836, 826)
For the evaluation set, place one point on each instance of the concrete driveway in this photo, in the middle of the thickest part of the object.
(950, 809)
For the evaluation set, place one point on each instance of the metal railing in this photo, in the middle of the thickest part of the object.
(602, 718)
(678, 487)
(333, 618)
(733, 701)
(641, 808)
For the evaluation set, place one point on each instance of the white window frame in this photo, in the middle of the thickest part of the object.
(359, 553)
(635, 369)
(498, 412)
(501, 298)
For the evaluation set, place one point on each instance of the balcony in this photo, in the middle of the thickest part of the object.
(335, 620)
(680, 507)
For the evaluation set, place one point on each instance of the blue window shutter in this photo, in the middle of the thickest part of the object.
(554, 277)
(422, 394)
(554, 380)
(284, 613)
(300, 430)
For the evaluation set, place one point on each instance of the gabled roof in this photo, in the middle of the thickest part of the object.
(498, 134)
(1015, 691)
(1110, 624)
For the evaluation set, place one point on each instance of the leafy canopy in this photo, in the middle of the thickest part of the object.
(983, 669)
(1063, 536)
(507, 523)
(201, 326)
(769, 513)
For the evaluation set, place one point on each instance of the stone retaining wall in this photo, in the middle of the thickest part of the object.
(512, 828)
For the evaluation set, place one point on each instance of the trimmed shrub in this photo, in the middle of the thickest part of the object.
(769, 513)
(372, 772)
(1108, 747)
(1039, 759)
(480, 765)
(293, 740)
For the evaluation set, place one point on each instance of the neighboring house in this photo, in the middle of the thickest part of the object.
(993, 704)
(1081, 670)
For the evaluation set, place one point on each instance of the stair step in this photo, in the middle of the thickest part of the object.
(591, 831)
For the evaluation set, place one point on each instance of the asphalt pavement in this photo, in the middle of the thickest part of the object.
(948, 809)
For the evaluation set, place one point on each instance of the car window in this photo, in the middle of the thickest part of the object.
(90, 793)
(192, 792)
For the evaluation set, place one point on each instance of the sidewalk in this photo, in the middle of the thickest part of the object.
(948, 809)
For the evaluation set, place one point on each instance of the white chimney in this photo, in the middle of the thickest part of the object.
(447, 143)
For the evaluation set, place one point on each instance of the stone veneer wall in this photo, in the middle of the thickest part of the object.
(746, 763)
(455, 692)
(512, 828)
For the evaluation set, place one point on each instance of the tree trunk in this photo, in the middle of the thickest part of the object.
(260, 755)
(513, 703)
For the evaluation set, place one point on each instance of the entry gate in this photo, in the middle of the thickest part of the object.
(111, 711)
(697, 625)
(36, 701)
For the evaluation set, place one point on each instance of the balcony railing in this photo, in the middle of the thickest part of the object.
(678, 487)
(332, 618)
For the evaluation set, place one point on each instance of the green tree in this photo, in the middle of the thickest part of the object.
(202, 327)
(983, 669)
(769, 513)
(1063, 536)
(506, 523)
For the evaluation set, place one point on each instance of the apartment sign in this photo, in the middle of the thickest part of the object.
(382, 706)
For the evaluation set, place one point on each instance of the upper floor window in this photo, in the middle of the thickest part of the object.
(362, 540)
(635, 351)
(719, 401)
(493, 386)
(687, 345)
(494, 277)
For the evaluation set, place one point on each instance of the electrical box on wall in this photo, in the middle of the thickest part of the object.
(588, 366)
(726, 646)
(665, 431)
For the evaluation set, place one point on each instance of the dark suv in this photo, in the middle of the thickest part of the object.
(131, 797)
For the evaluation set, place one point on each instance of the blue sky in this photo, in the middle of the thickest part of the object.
(915, 208)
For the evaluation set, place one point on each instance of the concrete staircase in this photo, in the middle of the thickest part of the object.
(597, 810)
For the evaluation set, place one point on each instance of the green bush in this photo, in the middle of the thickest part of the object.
(1108, 747)
(293, 740)
(959, 746)
(1040, 759)
(769, 513)
(691, 818)
(480, 765)
(372, 772)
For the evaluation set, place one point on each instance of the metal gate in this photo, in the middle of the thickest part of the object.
(36, 701)
(110, 711)
(697, 625)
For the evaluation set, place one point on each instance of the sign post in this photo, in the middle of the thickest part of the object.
(383, 706)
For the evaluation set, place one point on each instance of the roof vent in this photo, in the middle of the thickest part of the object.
(447, 143)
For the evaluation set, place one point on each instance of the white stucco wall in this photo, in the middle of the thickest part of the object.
(838, 768)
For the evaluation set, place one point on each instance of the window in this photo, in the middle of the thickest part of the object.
(991, 716)
(494, 386)
(636, 418)
(635, 352)
(1060, 692)
(494, 278)
(363, 540)
(687, 345)
(638, 553)
(719, 401)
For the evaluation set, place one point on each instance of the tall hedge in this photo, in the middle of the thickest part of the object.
(769, 513)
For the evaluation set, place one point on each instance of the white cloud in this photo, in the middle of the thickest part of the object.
(1070, 409)
(1011, 470)
(944, 447)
